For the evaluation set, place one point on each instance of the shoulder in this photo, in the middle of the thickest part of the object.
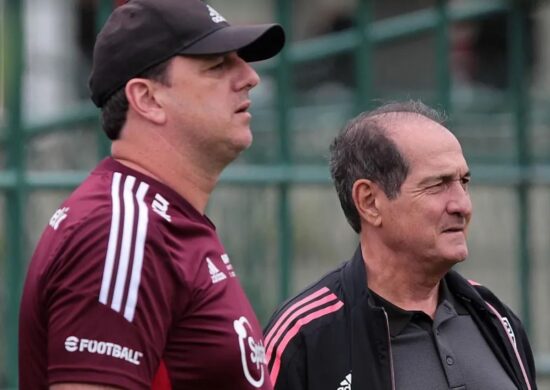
(314, 307)
(313, 320)
(319, 300)
(495, 305)
(485, 298)
(109, 209)
(103, 228)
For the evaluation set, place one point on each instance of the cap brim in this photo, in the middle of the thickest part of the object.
(253, 43)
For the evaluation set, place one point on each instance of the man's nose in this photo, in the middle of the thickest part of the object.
(248, 77)
(460, 202)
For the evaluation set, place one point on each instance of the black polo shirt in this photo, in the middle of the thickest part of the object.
(448, 352)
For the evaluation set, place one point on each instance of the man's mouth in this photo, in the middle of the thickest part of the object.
(243, 107)
(454, 229)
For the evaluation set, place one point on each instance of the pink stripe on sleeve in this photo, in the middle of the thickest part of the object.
(292, 332)
(288, 312)
(284, 326)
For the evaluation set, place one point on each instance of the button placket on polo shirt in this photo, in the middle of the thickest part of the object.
(444, 313)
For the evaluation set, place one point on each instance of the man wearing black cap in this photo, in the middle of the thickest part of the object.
(130, 287)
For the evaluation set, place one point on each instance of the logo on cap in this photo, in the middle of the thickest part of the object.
(215, 15)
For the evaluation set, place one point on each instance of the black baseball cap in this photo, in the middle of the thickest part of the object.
(143, 33)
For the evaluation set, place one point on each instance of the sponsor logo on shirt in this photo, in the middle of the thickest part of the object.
(252, 352)
(215, 273)
(346, 383)
(58, 217)
(74, 344)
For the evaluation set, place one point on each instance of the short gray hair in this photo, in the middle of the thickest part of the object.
(363, 150)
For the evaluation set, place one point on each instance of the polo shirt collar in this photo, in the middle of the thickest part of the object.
(399, 319)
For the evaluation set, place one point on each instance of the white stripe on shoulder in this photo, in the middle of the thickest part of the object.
(126, 244)
(141, 234)
(132, 243)
(113, 240)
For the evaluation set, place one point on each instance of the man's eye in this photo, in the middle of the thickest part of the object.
(436, 187)
(219, 65)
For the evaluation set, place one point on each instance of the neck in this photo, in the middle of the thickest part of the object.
(156, 158)
(403, 281)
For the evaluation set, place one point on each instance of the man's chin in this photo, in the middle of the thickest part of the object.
(242, 145)
(459, 256)
(455, 250)
(236, 148)
(244, 140)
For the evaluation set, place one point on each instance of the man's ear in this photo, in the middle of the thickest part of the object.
(364, 193)
(142, 100)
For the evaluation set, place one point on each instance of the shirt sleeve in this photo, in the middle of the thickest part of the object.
(110, 299)
(293, 375)
(287, 365)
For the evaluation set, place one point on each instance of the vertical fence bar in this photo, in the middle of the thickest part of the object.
(443, 57)
(15, 210)
(284, 97)
(520, 106)
(104, 10)
(363, 56)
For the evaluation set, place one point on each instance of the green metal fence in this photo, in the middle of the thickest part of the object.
(16, 182)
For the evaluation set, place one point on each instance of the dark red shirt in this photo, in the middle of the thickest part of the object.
(130, 286)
